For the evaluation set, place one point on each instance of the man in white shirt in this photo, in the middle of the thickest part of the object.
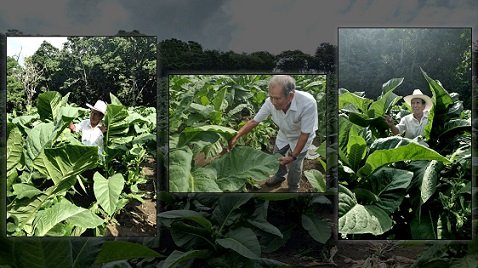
(412, 125)
(295, 113)
(92, 129)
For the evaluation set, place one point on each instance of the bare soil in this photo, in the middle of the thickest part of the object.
(139, 219)
(353, 254)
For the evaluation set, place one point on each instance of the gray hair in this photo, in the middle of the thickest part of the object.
(285, 81)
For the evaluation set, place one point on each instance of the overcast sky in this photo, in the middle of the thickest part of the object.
(241, 26)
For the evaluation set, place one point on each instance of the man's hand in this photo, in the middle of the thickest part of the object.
(102, 128)
(286, 160)
(72, 127)
(389, 120)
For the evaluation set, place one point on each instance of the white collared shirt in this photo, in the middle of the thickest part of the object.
(411, 127)
(92, 136)
(300, 117)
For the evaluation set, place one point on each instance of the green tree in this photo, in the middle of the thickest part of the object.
(16, 99)
(293, 60)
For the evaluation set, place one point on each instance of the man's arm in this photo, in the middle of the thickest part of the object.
(298, 148)
(243, 131)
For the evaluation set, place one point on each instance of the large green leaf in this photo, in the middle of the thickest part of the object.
(189, 236)
(390, 186)
(25, 212)
(124, 250)
(66, 161)
(317, 228)
(177, 257)
(430, 180)
(243, 241)
(204, 180)
(187, 215)
(316, 179)
(42, 253)
(384, 103)
(49, 104)
(107, 191)
(259, 220)
(356, 149)
(455, 125)
(205, 133)
(14, 147)
(44, 135)
(225, 212)
(25, 190)
(180, 169)
(441, 100)
(38, 138)
(411, 151)
(65, 211)
(358, 102)
(115, 120)
(245, 163)
(391, 85)
(84, 251)
(359, 219)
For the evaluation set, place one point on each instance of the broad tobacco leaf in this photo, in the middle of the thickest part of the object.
(316, 179)
(66, 161)
(14, 147)
(317, 228)
(243, 241)
(49, 104)
(180, 169)
(358, 102)
(65, 211)
(430, 180)
(411, 151)
(115, 120)
(209, 133)
(107, 191)
(225, 213)
(390, 186)
(441, 100)
(359, 219)
(244, 163)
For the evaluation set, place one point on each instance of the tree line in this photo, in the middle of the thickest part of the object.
(125, 65)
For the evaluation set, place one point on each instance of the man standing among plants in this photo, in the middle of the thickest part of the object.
(295, 113)
(92, 129)
(412, 125)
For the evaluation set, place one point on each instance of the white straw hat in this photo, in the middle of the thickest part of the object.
(417, 94)
(100, 106)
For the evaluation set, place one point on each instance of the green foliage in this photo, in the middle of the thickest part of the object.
(444, 53)
(219, 229)
(47, 165)
(394, 183)
(205, 113)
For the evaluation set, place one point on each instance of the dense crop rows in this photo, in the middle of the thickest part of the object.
(394, 187)
(205, 112)
(57, 186)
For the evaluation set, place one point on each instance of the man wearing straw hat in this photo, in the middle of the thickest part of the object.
(92, 129)
(412, 125)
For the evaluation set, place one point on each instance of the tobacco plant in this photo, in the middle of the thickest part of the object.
(57, 186)
(394, 187)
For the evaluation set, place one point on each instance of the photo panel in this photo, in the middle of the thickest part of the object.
(226, 132)
(81, 136)
(405, 133)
